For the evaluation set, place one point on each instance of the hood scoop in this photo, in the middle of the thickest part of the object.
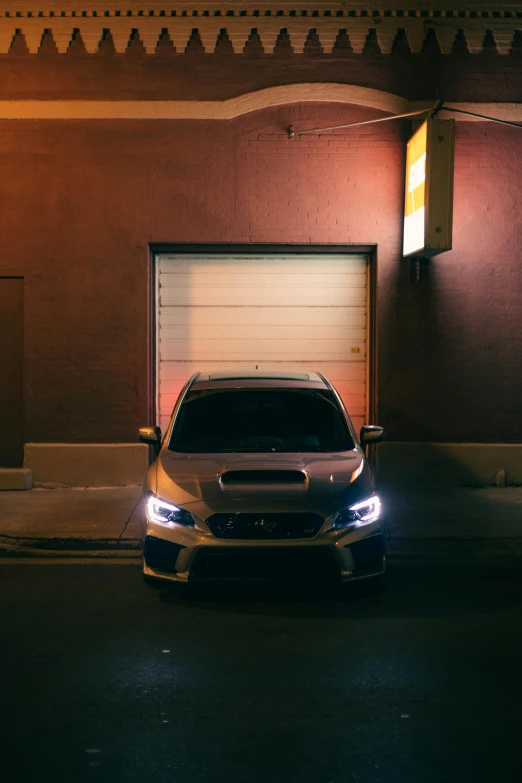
(264, 480)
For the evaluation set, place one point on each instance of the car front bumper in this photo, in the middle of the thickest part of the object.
(182, 554)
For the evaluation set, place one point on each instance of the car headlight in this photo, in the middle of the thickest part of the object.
(159, 510)
(360, 514)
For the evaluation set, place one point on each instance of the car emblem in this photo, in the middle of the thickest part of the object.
(266, 525)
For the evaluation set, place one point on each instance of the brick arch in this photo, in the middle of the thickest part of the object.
(309, 92)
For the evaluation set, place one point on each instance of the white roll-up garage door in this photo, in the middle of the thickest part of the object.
(285, 311)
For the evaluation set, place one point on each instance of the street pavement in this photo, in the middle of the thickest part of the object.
(107, 521)
(106, 679)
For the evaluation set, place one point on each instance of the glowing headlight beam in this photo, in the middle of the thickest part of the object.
(368, 510)
(161, 511)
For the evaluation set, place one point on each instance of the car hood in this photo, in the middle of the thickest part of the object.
(273, 481)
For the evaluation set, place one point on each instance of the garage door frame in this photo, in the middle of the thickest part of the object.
(268, 249)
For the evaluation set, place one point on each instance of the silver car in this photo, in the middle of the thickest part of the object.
(260, 476)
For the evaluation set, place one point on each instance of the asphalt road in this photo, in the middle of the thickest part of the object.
(105, 679)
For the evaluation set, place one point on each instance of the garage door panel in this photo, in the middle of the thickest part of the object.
(358, 422)
(258, 264)
(263, 274)
(337, 372)
(343, 316)
(262, 350)
(195, 333)
(298, 280)
(355, 402)
(334, 296)
(286, 312)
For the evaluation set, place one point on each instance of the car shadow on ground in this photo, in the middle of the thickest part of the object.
(439, 589)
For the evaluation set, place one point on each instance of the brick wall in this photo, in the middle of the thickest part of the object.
(459, 368)
(487, 76)
(82, 201)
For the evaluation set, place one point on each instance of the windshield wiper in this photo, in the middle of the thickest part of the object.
(272, 450)
(191, 449)
(198, 450)
(249, 450)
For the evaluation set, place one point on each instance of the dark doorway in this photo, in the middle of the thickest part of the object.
(12, 367)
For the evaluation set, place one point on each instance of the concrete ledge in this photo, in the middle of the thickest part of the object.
(124, 464)
(86, 464)
(15, 478)
(450, 464)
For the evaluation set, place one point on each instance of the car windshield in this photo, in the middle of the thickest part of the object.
(264, 420)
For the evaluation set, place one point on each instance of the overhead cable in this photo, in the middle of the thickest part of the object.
(483, 117)
(433, 112)
(292, 132)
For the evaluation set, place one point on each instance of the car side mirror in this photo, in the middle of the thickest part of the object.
(370, 434)
(150, 435)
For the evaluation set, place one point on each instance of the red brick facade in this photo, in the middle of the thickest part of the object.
(83, 199)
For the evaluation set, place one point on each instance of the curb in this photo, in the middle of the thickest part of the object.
(12, 546)
(407, 548)
(87, 554)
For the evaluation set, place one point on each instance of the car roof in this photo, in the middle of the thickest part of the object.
(259, 378)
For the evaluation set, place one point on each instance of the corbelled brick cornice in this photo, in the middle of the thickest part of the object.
(148, 20)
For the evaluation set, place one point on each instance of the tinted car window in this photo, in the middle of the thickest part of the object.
(284, 420)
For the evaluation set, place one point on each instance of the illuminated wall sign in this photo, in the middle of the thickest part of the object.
(428, 207)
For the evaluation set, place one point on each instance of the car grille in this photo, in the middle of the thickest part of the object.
(262, 563)
(264, 526)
